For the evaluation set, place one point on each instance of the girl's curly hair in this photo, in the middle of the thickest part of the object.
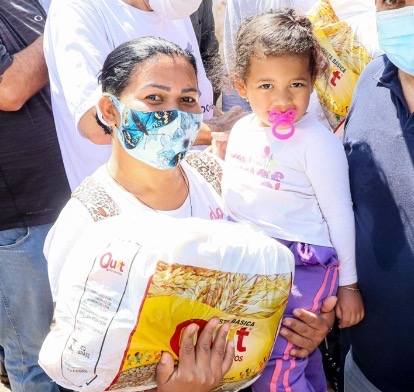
(276, 33)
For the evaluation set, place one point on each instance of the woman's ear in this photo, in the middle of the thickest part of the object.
(107, 110)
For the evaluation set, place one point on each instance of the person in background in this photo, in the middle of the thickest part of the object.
(204, 28)
(379, 143)
(79, 34)
(33, 190)
(288, 175)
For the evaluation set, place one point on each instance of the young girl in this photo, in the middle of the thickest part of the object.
(288, 174)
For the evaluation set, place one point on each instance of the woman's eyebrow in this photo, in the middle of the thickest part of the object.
(165, 88)
(159, 86)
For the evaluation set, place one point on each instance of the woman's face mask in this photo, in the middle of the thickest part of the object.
(396, 36)
(160, 139)
(175, 9)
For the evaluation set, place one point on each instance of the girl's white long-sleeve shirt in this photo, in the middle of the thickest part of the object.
(295, 189)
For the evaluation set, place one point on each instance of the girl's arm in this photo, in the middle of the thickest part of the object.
(327, 169)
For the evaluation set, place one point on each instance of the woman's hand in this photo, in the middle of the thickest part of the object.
(201, 367)
(308, 330)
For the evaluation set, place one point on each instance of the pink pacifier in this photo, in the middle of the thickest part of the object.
(278, 118)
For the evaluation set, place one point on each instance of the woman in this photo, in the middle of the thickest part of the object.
(150, 107)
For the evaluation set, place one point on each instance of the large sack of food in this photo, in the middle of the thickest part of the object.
(131, 284)
(347, 33)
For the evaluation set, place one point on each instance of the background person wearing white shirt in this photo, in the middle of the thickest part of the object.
(79, 34)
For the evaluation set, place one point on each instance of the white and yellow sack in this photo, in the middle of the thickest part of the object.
(346, 31)
(131, 285)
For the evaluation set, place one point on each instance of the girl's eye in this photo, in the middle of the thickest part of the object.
(297, 84)
(154, 97)
(266, 86)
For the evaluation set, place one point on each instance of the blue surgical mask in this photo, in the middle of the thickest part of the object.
(160, 139)
(396, 37)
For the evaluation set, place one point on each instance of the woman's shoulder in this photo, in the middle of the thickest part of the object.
(95, 198)
(207, 166)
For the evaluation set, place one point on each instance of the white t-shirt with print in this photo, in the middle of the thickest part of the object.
(295, 189)
(79, 34)
(75, 220)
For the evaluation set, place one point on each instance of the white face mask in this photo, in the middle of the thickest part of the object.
(175, 9)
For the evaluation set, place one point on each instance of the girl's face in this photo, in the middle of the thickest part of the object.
(277, 83)
(163, 83)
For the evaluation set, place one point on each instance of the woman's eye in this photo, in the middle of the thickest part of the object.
(153, 97)
(393, 2)
(188, 99)
(297, 84)
(266, 86)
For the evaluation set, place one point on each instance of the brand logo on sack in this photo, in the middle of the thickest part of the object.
(241, 334)
(107, 262)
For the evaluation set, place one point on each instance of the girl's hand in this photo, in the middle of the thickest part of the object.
(308, 329)
(201, 367)
(350, 307)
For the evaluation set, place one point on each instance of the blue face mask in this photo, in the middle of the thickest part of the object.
(396, 37)
(160, 139)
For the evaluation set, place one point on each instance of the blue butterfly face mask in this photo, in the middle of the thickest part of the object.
(159, 139)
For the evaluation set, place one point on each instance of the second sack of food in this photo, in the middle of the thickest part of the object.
(132, 284)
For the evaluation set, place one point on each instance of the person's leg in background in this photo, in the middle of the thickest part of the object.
(354, 379)
(345, 347)
(4, 379)
(26, 307)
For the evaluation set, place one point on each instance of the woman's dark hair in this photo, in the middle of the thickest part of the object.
(275, 33)
(121, 63)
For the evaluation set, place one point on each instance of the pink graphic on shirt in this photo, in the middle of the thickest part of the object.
(216, 213)
(263, 165)
(275, 176)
